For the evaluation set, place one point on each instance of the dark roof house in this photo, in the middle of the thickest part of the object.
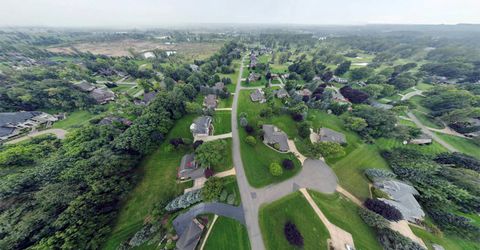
(210, 101)
(258, 96)
(102, 96)
(189, 169)
(190, 236)
(12, 123)
(273, 136)
(147, 98)
(84, 86)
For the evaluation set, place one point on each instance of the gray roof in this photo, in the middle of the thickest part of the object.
(381, 105)
(210, 101)
(201, 125)
(281, 93)
(84, 86)
(9, 120)
(102, 95)
(189, 168)
(273, 135)
(257, 96)
(219, 86)
(191, 236)
(328, 135)
(402, 197)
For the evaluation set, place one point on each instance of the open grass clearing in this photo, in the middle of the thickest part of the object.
(222, 122)
(293, 208)
(227, 234)
(449, 242)
(464, 145)
(74, 120)
(390, 143)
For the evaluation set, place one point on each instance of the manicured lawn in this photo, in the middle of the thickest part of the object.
(222, 122)
(427, 120)
(387, 144)
(260, 82)
(228, 234)
(233, 76)
(226, 103)
(463, 145)
(449, 242)
(230, 184)
(293, 208)
(227, 160)
(158, 183)
(75, 119)
(279, 68)
(344, 214)
(406, 122)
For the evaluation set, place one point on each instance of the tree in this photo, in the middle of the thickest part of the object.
(373, 90)
(193, 108)
(389, 212)
(292, 234)
(275, 169)
(288, 164)
(356, 124)
(327, 149)
(354, 95)
(250, 140)
(361, 73)
(373, 219)
(304, 129)
(212, 189)
(343, 68)
(243, 122)
(211, 153)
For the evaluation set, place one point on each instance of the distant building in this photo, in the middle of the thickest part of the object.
(194, 67)
(328, 135)
(258, 96)
(102, 96)
(148, 55)
(338, 80)
(210, 101)
(201, 127)
(146, 99)
(190, 236)
(379, 105)
(423, 139)
(84, 86)
(14, 123)
(281, 93)
(189, 168)
(402, 198)
(273, 136)
(252, 77)
(219, 86)
(304, 92)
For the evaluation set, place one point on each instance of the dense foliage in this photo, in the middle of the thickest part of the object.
(388, 211)
(292, 234)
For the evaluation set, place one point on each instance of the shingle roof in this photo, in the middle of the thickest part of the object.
(84, 86)
(257, 96)
(210, 101)
(328, 135)
(102, 95)
(191, 236)
(201, 125)
(272, 135)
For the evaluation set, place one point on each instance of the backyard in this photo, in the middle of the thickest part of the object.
(227, 234)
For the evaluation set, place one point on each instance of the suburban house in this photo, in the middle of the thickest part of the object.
(304, 92)
(194, 67)
(252, 77)
(84, 86)
(338, 80)
(148, 55)
(258, 96)
(103, 95)
(146, 99)
(219, 86)
(190, 237)
(189, 169)
(423, 139)
(275, 138)
(281, 93)
(14, 123)
(201, 127)
(402, 198)
(327, 135)
(210, 101)
(253, 60)
(379, 105)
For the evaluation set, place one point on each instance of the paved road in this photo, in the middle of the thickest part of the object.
(315, 174)
(430, 133)
(59, 133)
(411, 94)
(182, 221)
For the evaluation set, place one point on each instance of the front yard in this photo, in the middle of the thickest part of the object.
(227, 234)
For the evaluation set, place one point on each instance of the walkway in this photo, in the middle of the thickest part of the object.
(59, 133)
(215, 137)
(294, 150)
(411, 94)
(208, 232)
(430, 133)
(199, 182)
(223, 109)
(182, 221)
(339, 238)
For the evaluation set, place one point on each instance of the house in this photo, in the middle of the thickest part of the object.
(210, 101)
(84, 86)
(423, 139)
(102, 96)
(338, 80)
(258, 96)
(219, 86)
(189, 168)
(201, 127)
(328, 135)
(253, 77)
(379, 105)
(147, 98)
(190, 236)
(194, 67)
(281, 93)
(273, 136)
(402, 198)
(304, 92)
(14, 123)
(148, 55)
(253, 60)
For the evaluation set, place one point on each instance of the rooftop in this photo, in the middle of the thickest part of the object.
(272, 135)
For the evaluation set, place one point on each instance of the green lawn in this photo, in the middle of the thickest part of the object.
(226, 103)
(228, 160)
(228, 234)
(387, 144)
(406, 122)
(427, 120)
(158, 183)
(75, 119)
(222, 122)
(449, 242)
(417, 101)
(233, 76)
(230, 184)
(463, 145)
(293, 208)
(344, 214)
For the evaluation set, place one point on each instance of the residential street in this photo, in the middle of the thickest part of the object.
(425, 130)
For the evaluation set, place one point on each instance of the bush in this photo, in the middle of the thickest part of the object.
(392, 240)
(249, 129)
(288, 164)
(304, 130)
(196, 144)
(459, 160)
(223, 195)
(292, 234)
(231, 199)
(212, 189)
(185, 200)
(250, 140)
(374, 174)
(276, 146)
(387, 211)
(243, 122)
(297, 117)
(275, 169)
(209, 172)
(373, 219)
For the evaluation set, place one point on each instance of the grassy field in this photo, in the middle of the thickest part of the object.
(75, 119)
(293, 208)
(222, 122)
(158, 183)
(447, 241)
(387, 144)
(463, 145)
(227, 234)
(226, 103)
(344, 214)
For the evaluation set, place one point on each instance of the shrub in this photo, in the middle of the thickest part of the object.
(459, 160)
(212, 189)
(223, 195)
(231, 199)
(392, 240)
(249, 129)
(387, 211)
(377, 174)
(292, 234)
(373, 219)
(377, 193)
(297, 117)
(196, 144)
(288, 164)
(185, 200)
(250, 140)
(209, 172)
(243, 122)
(176, 142)
(276, 146)
(304, 130)
(275, 169)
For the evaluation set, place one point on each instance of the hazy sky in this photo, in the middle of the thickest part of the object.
(138, 13)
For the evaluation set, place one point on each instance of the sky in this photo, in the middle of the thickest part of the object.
(151, 13)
